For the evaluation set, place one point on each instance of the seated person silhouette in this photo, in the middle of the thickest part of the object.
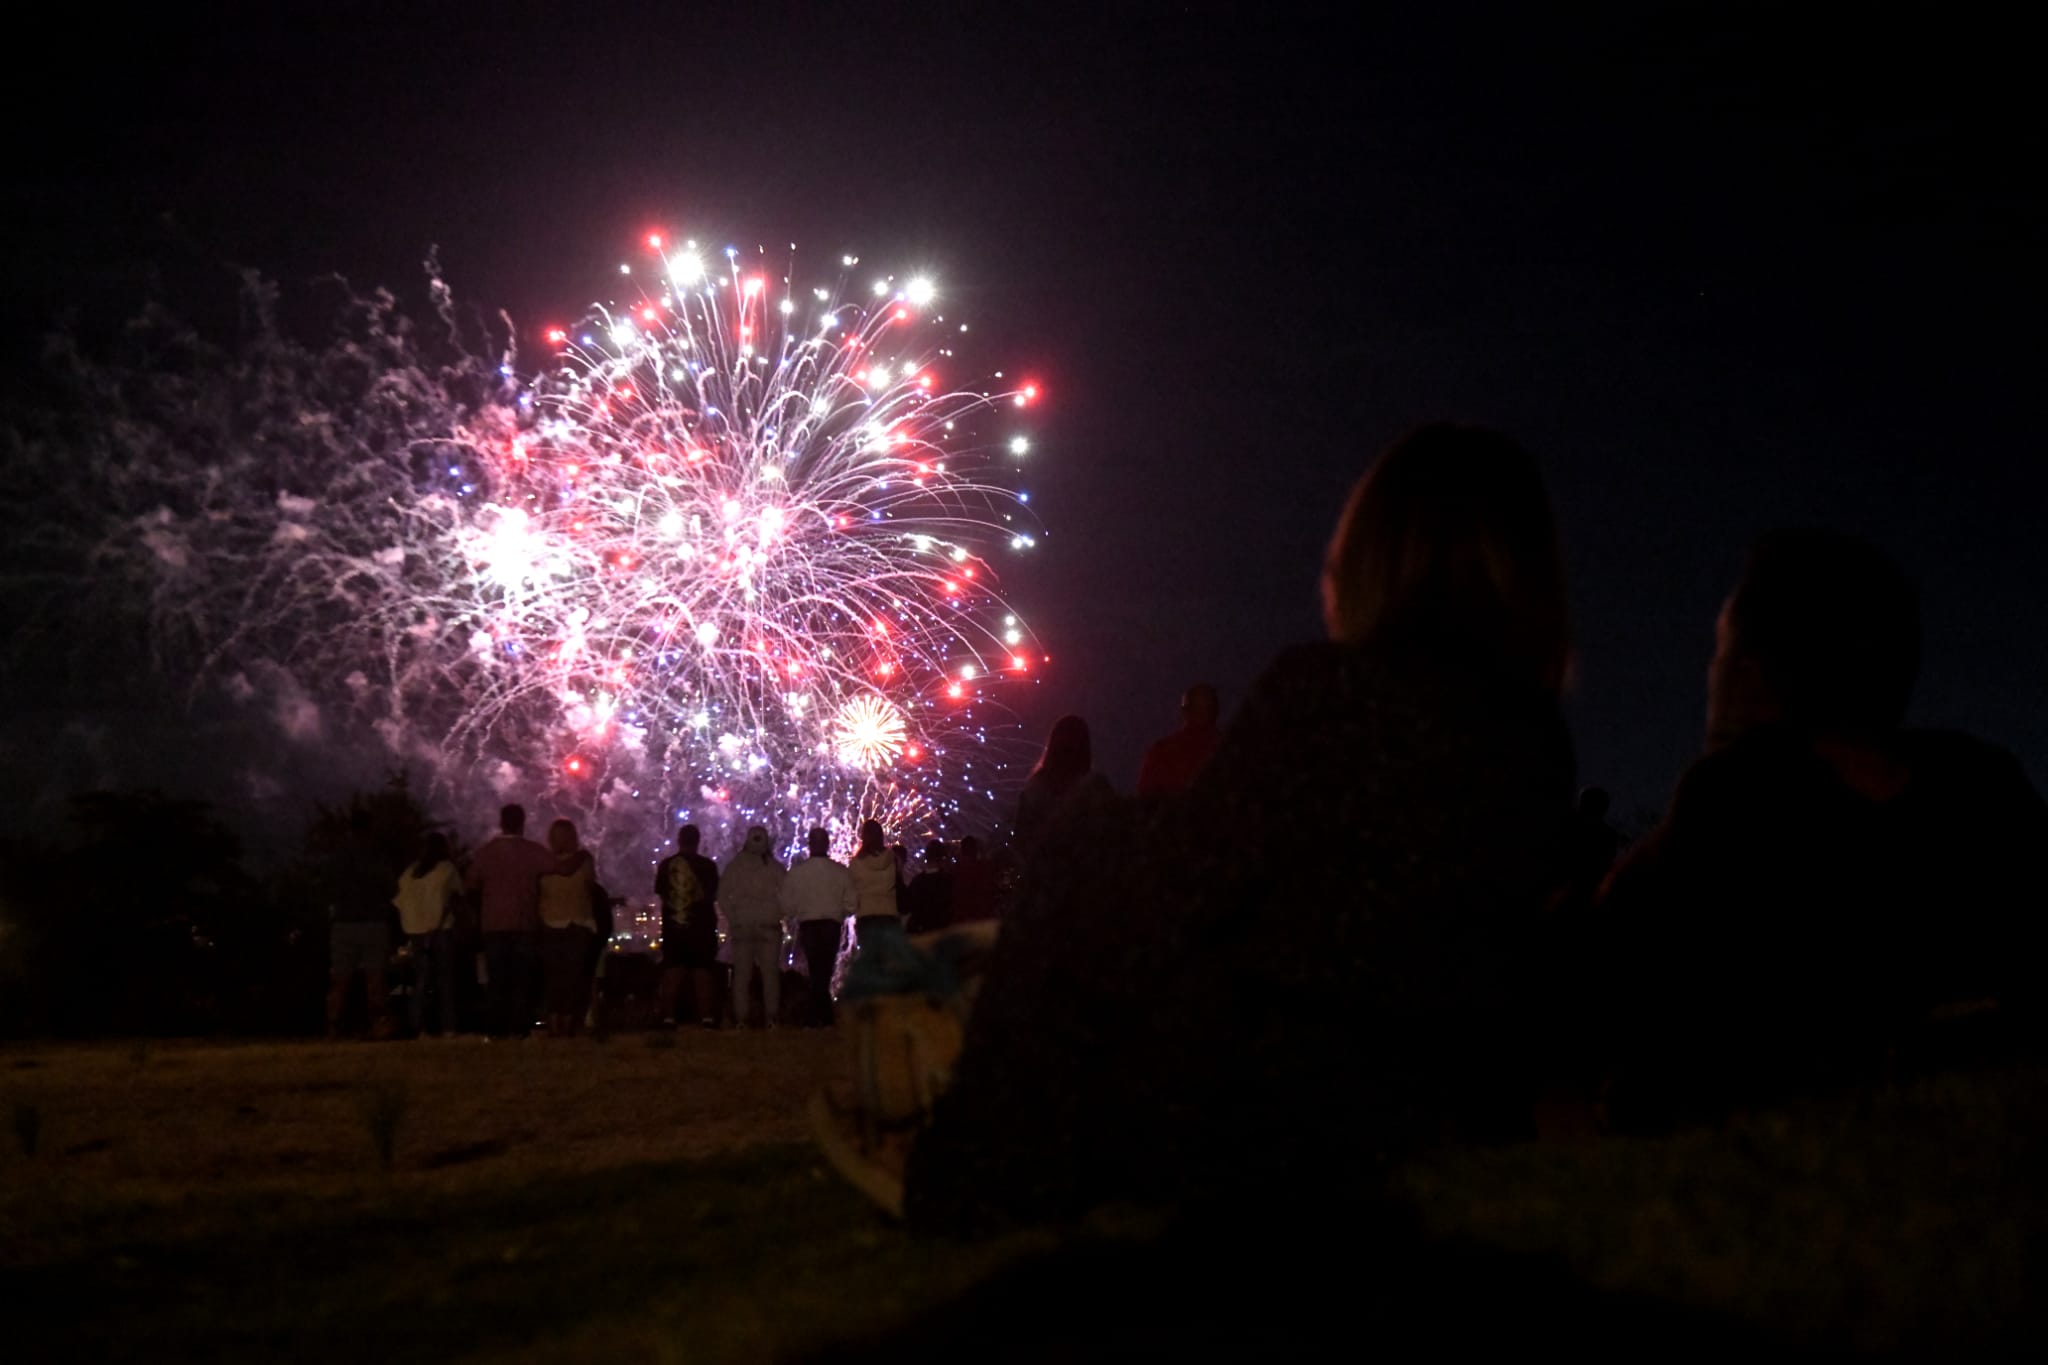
(1829, 890)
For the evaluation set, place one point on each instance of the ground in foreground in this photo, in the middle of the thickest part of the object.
(654, 1197)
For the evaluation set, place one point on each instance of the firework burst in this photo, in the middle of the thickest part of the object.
(869, 733)
(742, 551)
(727, 557)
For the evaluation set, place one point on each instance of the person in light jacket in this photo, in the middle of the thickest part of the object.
(817, 896)
(749, 893)
(874, 886)
(568, 927)
(426, 911)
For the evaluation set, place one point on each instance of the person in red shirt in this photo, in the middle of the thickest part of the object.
(505, 874)
(1171, 764)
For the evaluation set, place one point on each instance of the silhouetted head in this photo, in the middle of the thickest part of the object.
(934, 853)
(1822, 633)
(562, 838)
(1449, 539)
(687, 838)
(1068, 755)
(870, 837)
(819, 842)
(433, 852)
(970, 850)
(758, 843)
(1199, 707)
(512, 819)
(1593, 803)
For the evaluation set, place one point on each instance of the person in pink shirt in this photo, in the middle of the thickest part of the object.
(505, 875)
(1172, 763)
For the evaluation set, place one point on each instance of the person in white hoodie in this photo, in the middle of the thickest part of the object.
(749, 893)
(817, 896)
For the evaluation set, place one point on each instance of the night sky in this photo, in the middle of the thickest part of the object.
(1719, 272)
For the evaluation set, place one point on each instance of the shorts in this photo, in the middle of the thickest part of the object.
(358, 947)
(689, 945)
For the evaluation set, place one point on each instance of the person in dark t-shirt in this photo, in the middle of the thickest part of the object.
(686, 884)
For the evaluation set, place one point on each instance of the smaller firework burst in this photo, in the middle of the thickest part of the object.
(868, 732)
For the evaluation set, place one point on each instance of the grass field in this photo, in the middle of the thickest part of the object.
(630, 1200)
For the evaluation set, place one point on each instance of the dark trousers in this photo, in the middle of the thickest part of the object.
(565, 970)
(820, 941)
(513, 962)
(433, 969)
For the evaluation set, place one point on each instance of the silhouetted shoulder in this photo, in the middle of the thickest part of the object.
(1970, 769)
(1748, 779)
(1328, 669)
(1321, 708)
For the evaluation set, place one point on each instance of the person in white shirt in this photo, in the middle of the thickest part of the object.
(818, 895)
(426, 910)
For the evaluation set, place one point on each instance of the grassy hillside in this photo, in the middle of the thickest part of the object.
(544, 1200)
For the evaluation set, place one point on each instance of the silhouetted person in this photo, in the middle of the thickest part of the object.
(818, 896)
(1826, 884)
(1064, 769)
(359, 911)
(974, 884)
(1311, 959)
(505, 873)
(750, 893)
(427, 892)
(1172, 763)
(874, 873)
(928, 901)
(1589, 852)
(686, 883)
(568, 919)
